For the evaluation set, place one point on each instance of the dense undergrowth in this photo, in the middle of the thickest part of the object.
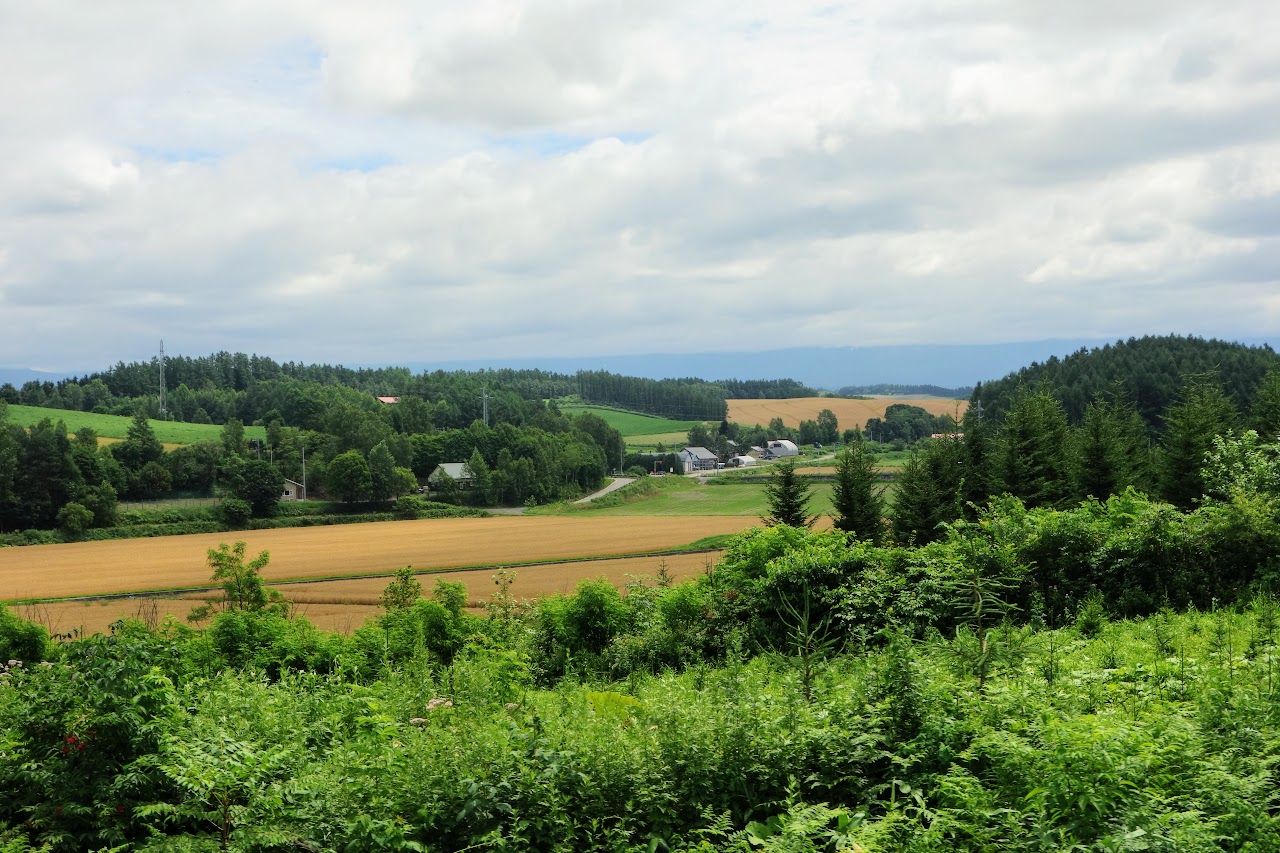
(1098, 679)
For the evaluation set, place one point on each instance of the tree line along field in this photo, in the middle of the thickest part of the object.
(341, 606)
(851, 414)
(179, 562)
(116, 427)
(642, 429)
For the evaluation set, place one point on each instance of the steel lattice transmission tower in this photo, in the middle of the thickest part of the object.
(163, 411)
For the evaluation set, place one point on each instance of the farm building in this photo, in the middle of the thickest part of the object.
(781, 447)
(742, 461)
(698, 459)
(293, 491)
(457, 471)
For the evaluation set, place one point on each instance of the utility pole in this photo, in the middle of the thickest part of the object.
(304, 472)
(484, 395)
(163, 412)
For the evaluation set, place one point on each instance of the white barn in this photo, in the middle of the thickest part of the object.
(779, 448)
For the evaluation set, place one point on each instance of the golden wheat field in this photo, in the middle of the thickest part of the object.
(134, 565)
(850, 414)
(345, 605)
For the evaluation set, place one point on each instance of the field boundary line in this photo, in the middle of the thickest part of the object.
(485, 567)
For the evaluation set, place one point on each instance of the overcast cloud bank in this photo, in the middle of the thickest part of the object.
(405, 182)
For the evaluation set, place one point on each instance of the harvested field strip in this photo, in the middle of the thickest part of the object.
(531, 582)
(850, 414)
(345, 605)
(178, 562)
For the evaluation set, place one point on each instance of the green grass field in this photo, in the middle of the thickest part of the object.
(632, 424)
(116, 426)
(683, 496)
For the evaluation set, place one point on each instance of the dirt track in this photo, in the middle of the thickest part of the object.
(92, 568)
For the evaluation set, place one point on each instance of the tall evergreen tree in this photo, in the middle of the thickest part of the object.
(46, 477)
(858, 501)
(1110, 451)
(979, 461)
(929, 491)
(1264, 416)
(8, 466)
(481, 493)
(1033, 455)
(140, 445)
(788, 494)
(1201, 412)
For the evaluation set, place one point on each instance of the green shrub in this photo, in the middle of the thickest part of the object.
(407, 506)
(21, 640)
(236, 513)
(1092, 616)
(74, 518)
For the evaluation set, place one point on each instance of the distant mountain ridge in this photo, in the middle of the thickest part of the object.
(16, 376)
(906, 390)
(944, 365)
(949, 366)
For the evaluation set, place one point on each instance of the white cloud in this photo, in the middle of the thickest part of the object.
(413, 181)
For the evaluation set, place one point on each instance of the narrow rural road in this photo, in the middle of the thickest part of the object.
(618, 483)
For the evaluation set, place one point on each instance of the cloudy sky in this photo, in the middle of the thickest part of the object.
(411, 181)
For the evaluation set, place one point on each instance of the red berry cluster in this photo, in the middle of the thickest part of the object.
(74, 744)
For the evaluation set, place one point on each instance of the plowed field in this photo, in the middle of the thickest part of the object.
(345, 605)
(850, 414)
(132, 565)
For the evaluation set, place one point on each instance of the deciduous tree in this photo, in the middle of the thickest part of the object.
(242, 586)
(382, 473)
(347, 477)
(255, 481)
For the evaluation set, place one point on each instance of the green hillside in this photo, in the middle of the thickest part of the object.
(684, 496)
(1148, 372)
(631, 423)
(116, 426)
